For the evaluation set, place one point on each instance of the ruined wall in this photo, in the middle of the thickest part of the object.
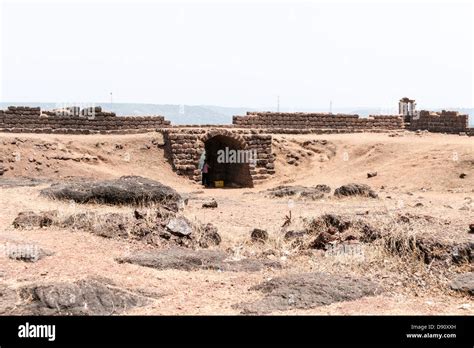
(442, 122)
(184, 147)
(318, 121)
(85, 121)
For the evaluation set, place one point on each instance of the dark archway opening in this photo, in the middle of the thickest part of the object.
(232, 174)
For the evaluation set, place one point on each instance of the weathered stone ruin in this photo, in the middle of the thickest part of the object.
(279, 122)
(187, 146)
(184, 147)
(441, 122)
(437, 122)
(20, 119)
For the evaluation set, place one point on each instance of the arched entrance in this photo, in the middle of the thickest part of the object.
(229, 160)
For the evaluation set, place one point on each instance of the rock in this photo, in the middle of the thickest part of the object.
(259, 235)
(462, 175)
(371, 174)
(3, 169)
(307, 290)
(471, 228)
(159, 227)
(210, 204)
(464, 283)
(283, 191)
(322, 240)
(355, 190)
(209, 236)
(191, 260)
(83, 297)
(30, 219)
(314, 192)
(179, 226)
(125, 190)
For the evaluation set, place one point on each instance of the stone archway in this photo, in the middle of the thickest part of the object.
(229, 159)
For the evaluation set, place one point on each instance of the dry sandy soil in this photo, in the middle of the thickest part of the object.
(411, 169)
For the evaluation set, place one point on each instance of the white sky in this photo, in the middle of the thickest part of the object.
(238, 53)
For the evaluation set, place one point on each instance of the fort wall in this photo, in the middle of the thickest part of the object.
(318, 121)
(74, 121)
(440, 122)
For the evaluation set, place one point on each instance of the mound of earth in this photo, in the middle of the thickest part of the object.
(190, 260)
(327, 229)
(159, 228)
(355, 190)
(125, 190)
(464, 283)
(297, 152)
(314, 192)
(83, 297)
(427, 247)
(307, 290)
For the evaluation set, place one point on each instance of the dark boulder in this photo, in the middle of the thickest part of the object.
(209, 236)
(210, 204)
(355, 190)
(259, 235)
(30, 219)
(125, 190)
(464, 283)
(83, 297)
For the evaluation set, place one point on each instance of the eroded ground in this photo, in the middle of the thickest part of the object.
(423, 200)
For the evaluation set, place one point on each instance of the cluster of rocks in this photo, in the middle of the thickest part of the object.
(298, 191)
(300, 120)
(157, 224)
(320, 191)
(74, 121)
(157, 227)
(442, 122)
(30, 219)
(327, 229)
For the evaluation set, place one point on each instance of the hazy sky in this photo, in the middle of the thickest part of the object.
(238, 53)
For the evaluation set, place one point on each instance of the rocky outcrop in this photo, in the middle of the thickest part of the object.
(125, 190)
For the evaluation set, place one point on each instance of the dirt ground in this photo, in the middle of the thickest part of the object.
(418, 175)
